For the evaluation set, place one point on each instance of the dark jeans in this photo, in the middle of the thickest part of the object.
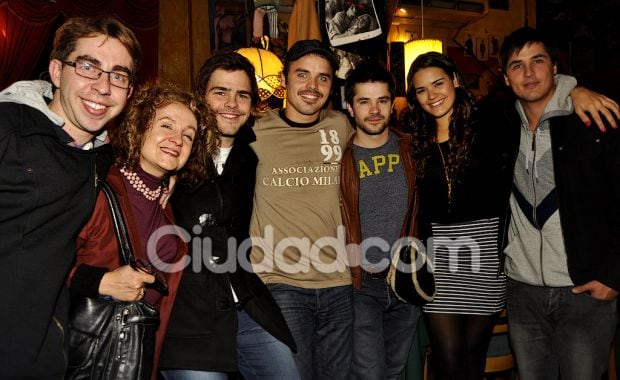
(554, 331)
(259, 356)
(321, 321)
(383, 331)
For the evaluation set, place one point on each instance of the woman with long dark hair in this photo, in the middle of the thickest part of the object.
(462, 166)
(458, 217)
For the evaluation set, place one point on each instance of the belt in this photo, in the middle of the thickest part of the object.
(376, 275)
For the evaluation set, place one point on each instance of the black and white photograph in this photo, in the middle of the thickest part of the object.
(229, 24)
(348, 21)
(494, 44)
(468, 44)
(347, 61)
(482, 50)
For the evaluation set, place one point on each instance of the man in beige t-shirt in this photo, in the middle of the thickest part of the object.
(298, 242)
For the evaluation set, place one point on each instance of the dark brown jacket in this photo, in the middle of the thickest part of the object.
(349, 203)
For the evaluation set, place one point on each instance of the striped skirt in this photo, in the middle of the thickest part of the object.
(466, 268)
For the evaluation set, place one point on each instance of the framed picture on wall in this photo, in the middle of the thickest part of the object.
(482, 49)
(229, 24)
(349, 21)
(468, 44)
(494, 43)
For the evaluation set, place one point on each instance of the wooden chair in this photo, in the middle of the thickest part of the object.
(500, 360)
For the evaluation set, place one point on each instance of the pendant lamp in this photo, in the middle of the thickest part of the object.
(416, 47)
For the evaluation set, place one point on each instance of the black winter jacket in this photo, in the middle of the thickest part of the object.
(47, 193)
(587, 177)
(202, 333)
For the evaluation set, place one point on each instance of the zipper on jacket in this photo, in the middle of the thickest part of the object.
(538, 227)
(512, 162)
(220, 198)
(62, 336)
(95, 180)
(95, 169)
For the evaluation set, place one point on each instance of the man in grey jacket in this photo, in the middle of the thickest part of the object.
(563, 253)
(53, 148)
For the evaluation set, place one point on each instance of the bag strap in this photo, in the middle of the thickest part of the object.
(124, 246)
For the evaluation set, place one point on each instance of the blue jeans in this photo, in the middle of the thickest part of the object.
(186, 374)
(383, 331)
(321, 321)
(555, 332)
(259, 356)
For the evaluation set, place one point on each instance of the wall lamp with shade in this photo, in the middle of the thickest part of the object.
(268, 68)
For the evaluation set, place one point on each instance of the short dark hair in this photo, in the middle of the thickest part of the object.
(227, 60)
(73, 29)
(365, 72)
(517, 40)
(302, 48)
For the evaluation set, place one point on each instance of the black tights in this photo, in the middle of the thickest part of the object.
(459, 344)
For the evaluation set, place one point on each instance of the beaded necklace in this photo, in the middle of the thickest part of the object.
(137, 184)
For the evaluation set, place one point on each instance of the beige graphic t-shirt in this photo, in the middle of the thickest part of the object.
(296, 228)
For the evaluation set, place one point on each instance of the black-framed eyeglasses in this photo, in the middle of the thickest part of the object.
(160, 284)
(88, 70)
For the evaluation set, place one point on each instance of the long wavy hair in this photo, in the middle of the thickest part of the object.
(423, 126)
(128, 137)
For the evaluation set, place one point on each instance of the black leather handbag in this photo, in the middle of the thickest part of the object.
(411, 275)
(111, 339)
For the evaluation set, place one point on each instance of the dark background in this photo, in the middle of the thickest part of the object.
(588, 36)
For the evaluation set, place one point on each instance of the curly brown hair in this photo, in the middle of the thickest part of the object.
(128, 137)
(423, 126)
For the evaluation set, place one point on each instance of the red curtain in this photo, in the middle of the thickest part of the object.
(26, 27)
(21, 43)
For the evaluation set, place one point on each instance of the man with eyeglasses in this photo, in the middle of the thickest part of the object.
(87, 69)
(53, 148)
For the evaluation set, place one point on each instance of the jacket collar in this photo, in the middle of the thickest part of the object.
(37, 94)
(399, 134)
(34, 94)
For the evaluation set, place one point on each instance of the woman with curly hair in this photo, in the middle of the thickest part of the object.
(165, 132)
(459, 211)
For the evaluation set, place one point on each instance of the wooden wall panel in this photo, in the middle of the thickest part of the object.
(200, 37)
(183, 40)
(174, 42)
